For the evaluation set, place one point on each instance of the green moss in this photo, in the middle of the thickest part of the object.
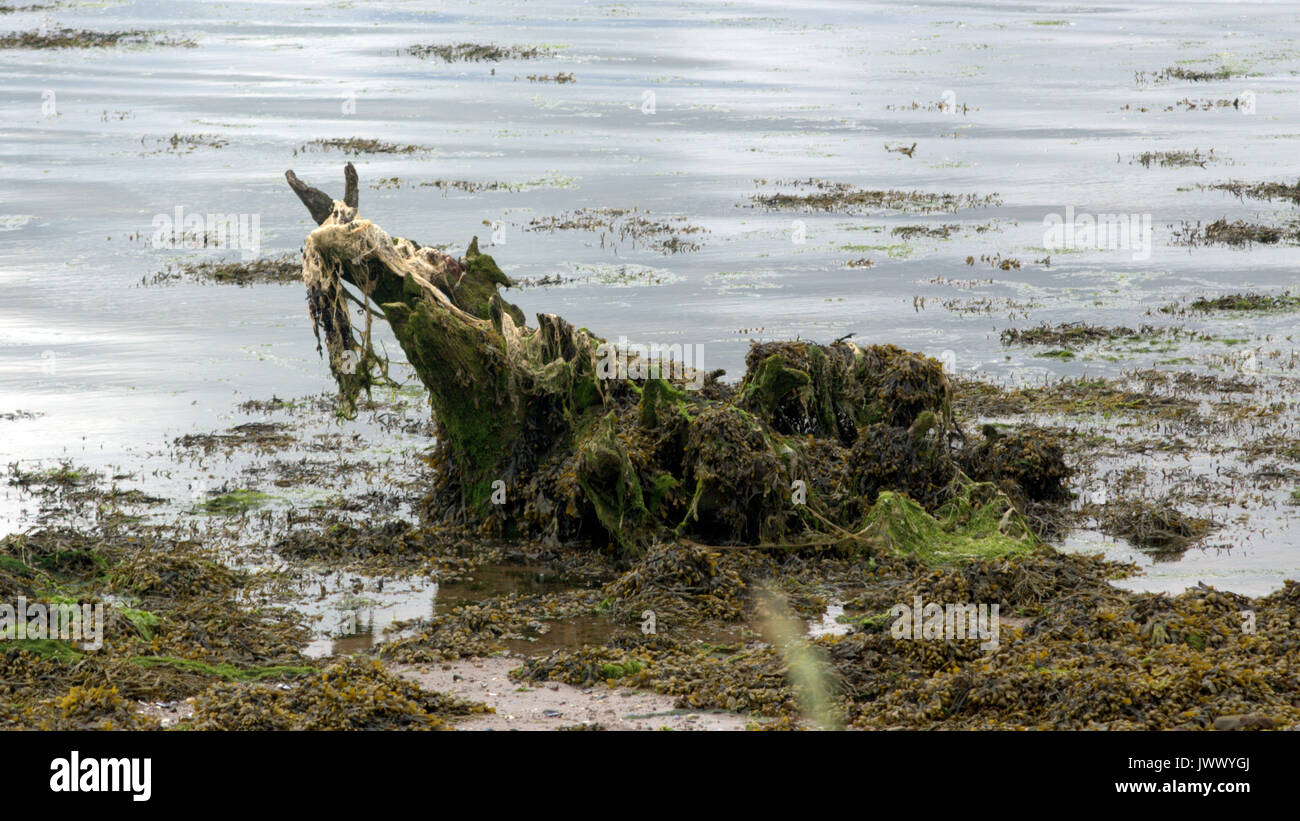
(585, 394)
(468, 395)
(610, 483)
(775, 383)
(473, 292)
(658, 399)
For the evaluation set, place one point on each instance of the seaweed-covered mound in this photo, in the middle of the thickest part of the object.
(833, 390)
(670, 576)
(553, 433)
(353, 694)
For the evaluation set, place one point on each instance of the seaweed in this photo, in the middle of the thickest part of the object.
(283, 270)
(1235, 234)
(1268, 191)
(477, 52)
(62, 38)
(845, 198)
(1154, 525)
(351, 694)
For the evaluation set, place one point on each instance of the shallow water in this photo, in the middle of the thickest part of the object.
(749, 90)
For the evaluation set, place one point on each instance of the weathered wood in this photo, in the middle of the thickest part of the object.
(319, 204)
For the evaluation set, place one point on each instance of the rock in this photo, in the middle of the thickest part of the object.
(1244, 722)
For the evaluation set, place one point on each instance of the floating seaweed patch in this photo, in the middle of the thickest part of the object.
(478, 52)
(1074, 335)
(665, 235)
(184, 143)
(1238, 234)
(1247, 302)
(356, 145)
(1154, 525)
(280, 270)
(560, 78)
(1184, 74)
(84, 38)
(845, 198)
(1268, 191)
(1175, 159)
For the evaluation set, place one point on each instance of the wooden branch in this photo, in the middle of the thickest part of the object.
(350, 186)
(318, 202)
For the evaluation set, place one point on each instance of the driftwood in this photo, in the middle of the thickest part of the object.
(550, 432)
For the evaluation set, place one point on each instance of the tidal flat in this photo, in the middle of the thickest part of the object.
(1098, 437)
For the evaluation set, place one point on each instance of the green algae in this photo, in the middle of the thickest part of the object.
(227, 671)
(235, 502)
(52, 649)
(978, 522)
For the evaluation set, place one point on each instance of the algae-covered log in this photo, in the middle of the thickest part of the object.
(550, 432)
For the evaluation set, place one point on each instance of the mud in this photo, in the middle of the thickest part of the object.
(574, 653)
(559, 706)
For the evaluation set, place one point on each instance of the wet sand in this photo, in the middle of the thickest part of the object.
(558, 706)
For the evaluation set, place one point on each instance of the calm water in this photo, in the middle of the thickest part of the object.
(677, 108)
